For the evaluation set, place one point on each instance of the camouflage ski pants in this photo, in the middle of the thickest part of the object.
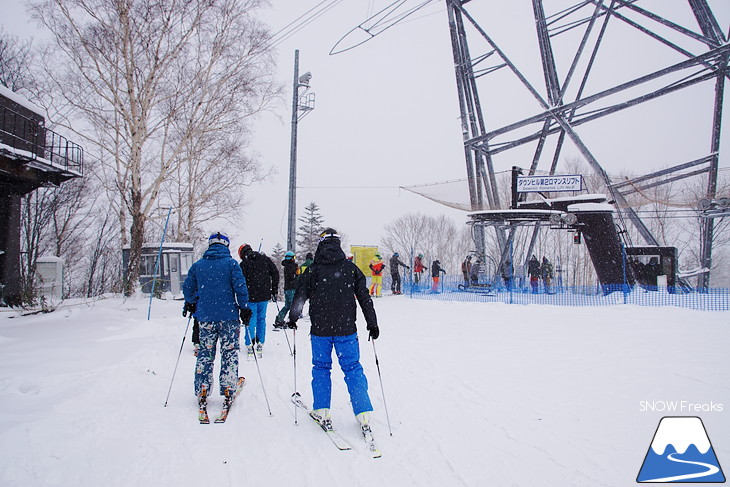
(211, 332)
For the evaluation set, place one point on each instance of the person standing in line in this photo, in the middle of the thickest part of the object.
(436, 271)
(376, 267)
(291, 273)
(262, 278)
(395, 285)
(533, 270)
(474, 271)
(330, 284)
(466, 270)
(418, 268)
(308, 259)
(216, 295)
(507, 274)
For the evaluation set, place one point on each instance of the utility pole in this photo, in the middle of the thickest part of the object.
(302, 104)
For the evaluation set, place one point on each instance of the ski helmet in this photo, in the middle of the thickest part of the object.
(289, 255)
(218, 238)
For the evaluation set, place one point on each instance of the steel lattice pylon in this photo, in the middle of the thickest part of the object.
(566, 104)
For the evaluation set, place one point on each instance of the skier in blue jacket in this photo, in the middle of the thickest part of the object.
(215, 293)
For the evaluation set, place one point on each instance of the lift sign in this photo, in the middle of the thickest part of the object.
(549, 184)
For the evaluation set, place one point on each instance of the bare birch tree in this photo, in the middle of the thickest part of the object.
(149, 77)
(16, 57)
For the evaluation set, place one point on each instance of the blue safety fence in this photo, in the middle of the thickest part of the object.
(453, 288)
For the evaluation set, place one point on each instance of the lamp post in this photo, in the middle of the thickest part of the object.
(302, 104)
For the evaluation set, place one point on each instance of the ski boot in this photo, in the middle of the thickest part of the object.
(259, 350)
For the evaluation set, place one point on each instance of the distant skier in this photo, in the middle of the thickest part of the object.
(395, 283)
(215, 293)
(262, 279)
(330, 284)
(376, 268)
(436, 271)
(418, 268)
(547, 274)
(291, 273)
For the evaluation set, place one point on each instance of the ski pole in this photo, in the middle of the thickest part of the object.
(285, 334)
(382, 391)
(261, 379)
(178, 360)
(295, 372)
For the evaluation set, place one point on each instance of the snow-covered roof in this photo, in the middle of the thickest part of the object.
(21, 100)
(581, 207)
(519, 212)
(165, 246)
(580, 197)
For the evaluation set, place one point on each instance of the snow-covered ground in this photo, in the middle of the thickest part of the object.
(477, 394)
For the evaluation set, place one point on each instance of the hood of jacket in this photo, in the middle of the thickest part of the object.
(217, 251)
(329, 251)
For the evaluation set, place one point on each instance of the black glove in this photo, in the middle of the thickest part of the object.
(374, 332)
(189, 308)
(245, 315)
(274, 297)
(292, 324)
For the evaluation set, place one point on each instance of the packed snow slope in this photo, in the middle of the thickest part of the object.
(477, 394)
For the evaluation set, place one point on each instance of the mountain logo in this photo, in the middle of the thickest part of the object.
(681, 452)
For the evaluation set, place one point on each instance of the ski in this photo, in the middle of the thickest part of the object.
(229, 402)
(203, 408)
(335, 437)
(370, 441)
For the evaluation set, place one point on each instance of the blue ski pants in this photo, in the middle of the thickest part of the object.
(347, 349)
(212, 332)
(257, 326)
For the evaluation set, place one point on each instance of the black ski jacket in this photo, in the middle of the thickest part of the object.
(331, 285)
(290, 273)
(262, 276)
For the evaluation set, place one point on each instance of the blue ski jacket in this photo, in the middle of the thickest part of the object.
(217, 285)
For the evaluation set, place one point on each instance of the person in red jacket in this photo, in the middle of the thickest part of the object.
(376, 266)
(418, 267)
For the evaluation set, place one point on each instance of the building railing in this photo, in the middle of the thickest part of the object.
(30, 135)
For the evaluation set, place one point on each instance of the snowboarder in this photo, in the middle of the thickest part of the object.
(330, 285)
(394, 274)
(376, 267)
(418, 268)
(291, 273)
(215, 293)
(262, 279)
(533, 270)
(436, 271)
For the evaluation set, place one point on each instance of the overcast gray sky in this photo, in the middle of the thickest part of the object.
(387, 113)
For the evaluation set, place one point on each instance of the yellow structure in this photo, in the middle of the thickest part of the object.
(363, 254)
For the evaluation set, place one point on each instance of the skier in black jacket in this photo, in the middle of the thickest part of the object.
(291, 275)
(332, 285)
(262, 279)
(395, 274)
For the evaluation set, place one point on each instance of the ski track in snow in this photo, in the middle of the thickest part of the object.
(477, 394)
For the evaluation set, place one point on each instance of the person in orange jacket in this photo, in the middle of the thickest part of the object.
(376, 266)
